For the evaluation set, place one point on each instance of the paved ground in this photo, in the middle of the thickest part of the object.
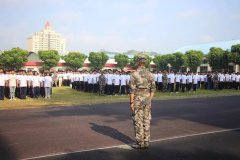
(79, 132)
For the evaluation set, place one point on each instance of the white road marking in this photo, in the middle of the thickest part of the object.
(127, 146)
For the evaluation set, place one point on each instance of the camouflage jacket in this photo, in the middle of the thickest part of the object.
(142, 79)
(102, 80)
(165, 79)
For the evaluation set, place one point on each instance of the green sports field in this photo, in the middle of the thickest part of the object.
(65, 96)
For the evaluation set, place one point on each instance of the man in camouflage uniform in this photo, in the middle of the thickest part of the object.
(102, 83)
(142, 87)
(215, 81)
(165, 81)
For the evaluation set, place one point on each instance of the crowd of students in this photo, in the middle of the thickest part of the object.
(24, 84)
(117, 82)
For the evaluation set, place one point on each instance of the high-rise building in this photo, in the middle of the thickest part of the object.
(46, 40)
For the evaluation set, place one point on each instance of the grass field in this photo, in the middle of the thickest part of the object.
(65, 96)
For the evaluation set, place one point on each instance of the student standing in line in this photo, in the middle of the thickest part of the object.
(195, 82)
(36, 81)
(184, 81)
(12, 80)
(47, 81)
(3, 79)
(178, 79)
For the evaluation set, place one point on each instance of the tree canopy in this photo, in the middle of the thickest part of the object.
(235, 54)
(122, 60)
(50, 58)
(161, 61)
(75, 59)
(98, 59)
(215, 58)
(13, 59)
(194, 59)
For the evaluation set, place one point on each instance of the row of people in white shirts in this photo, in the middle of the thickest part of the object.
(13, 80)
(115, 79)
(203, 77)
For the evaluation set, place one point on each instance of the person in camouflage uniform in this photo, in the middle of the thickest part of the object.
(215, 81)
(165, 81)
(142, 87)
(102, 83)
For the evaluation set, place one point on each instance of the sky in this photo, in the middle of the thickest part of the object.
(161, 26)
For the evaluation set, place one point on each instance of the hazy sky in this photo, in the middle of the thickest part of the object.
(161, 26)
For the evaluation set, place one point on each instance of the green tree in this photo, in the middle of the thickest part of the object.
(75, 59)
(215, 58)
(226, 60)
(194, 59)
(235, 54)
(178, 62)
(98, 59)
(122, 60)
(134, 60)
(161, 62)
(13, 59)
(50, 58)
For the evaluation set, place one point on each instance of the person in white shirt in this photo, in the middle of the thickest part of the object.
(159, 80)
(109, 78)
(3, 79)
(189, 81)
(95, 80)
(47, 82)
(237, 81)
(85, 79)
(178, 79)
(90, 82)
(221, 80)
(22, 84)
(123, 81)
(116, 81)
(171, 78)
(12, 82)
(184, 81)
(35, 83)
(195, 82)
(227, 81)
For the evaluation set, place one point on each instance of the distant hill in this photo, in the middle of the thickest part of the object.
(130, 53)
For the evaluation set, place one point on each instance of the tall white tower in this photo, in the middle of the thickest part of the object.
(47, 39)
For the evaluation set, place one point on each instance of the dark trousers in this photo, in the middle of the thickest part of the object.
(90, 87)
(123, 89)
(177, 86)
(42, 91)
(95, 88)
(2, 92)
(171, 87)
(116, 89)
(183, 87)
(160, 86)
(109, 89)
(195, 87)
(78, 85)
(81, 85)
(85, 86)
(189, 86)
(36, 92)
(7, 92)
(23, 92)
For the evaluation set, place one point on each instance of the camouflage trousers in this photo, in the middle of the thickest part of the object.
(141, 121)
(101, 89)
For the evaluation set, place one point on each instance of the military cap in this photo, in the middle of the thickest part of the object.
(141, 58)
